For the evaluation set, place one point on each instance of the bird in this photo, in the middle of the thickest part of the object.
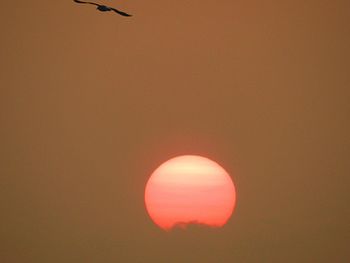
(103, 8)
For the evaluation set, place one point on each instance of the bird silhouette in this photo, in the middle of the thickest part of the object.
(103, 8)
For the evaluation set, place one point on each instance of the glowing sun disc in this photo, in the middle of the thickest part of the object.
(190, 189)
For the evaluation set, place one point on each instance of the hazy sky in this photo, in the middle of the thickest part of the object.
(91, 103)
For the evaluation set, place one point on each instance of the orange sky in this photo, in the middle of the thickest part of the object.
(91, 103)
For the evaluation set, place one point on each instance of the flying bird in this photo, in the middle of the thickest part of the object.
(103, 8)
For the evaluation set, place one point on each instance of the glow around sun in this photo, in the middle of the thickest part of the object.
(190, 189)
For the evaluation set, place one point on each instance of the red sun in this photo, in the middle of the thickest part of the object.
(190, 189)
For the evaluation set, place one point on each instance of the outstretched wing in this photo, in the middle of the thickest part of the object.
(120, 12)
(83, 2)
(92, 3)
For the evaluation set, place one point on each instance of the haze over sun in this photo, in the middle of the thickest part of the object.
(190, 189)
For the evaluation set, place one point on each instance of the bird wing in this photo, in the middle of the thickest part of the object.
(85, 2)
(120, 12)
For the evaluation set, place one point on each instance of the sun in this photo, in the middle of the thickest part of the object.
(190, 189)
